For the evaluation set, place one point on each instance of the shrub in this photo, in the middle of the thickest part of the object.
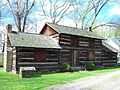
(65, 67)
(90, 65)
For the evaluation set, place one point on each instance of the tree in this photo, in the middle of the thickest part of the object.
(2, 12)
(55, 10)
(117, 28)
(117, 32)
(20, 10)
(86, 12)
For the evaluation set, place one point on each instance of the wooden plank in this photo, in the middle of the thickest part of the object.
(64, 43)
(61, 62)
(110, 64)
(25, 54)
(97, 57)
(109, 61)
(83, 43)
(51, 59)
(82, 57)
(66, 55)
(40, 65)
(64, 50)
(98, 40)
(83, 39)
(51, 54)
(47, 67)
(65, 36)
(25, 49)
(83, 54)
(97, 53)
(65, 58)
(55, 36)
(97, 46)
(65, 39)
(97, 49)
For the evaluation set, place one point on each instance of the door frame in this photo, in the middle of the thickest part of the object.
(74, 58)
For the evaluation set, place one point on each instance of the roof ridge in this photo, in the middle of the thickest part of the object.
(64, 25)
(73, 31)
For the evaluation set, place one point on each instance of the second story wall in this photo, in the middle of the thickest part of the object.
(66, 40)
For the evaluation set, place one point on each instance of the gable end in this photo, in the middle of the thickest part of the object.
(47, 30)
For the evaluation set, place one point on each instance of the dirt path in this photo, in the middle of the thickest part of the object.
(110, 81)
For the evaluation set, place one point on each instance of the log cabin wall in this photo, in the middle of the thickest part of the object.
(41, 59)
(66, 52)
(85, 49)
(98, 52)
(65, 56)
(109, 59)
(82, 48)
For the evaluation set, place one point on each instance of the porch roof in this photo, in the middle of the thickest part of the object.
(73, 31)
(108, 47)
(18, 39)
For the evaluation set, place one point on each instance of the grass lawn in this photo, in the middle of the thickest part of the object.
(9, 81)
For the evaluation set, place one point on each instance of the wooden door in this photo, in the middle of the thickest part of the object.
(74, 58)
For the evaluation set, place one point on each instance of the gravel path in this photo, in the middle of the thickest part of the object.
(110, 81)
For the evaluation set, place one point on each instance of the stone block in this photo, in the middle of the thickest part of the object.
(26, 72)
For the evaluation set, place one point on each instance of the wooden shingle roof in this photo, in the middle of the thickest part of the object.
(73, 31)
(32, 40)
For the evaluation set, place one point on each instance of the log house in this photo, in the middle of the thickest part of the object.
(53, 46)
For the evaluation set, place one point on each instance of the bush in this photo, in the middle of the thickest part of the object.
(65, 67)
(118, 64)
(90, 66)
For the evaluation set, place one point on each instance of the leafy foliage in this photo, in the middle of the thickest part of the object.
(117, 31)
(90, 65)
(65, 67)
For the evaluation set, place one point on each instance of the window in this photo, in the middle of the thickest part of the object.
(75, 41)
(39, 55)
(109, 56)
(91, 55)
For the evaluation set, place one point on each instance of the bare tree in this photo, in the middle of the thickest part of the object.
(87, 12)
(55, 10)
(20, 10)
(2, 12)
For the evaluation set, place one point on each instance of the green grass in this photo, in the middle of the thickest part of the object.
(9, 81)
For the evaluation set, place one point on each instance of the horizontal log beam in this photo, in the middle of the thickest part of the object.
(37, 63)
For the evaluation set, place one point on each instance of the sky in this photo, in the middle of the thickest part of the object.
(110, 11)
